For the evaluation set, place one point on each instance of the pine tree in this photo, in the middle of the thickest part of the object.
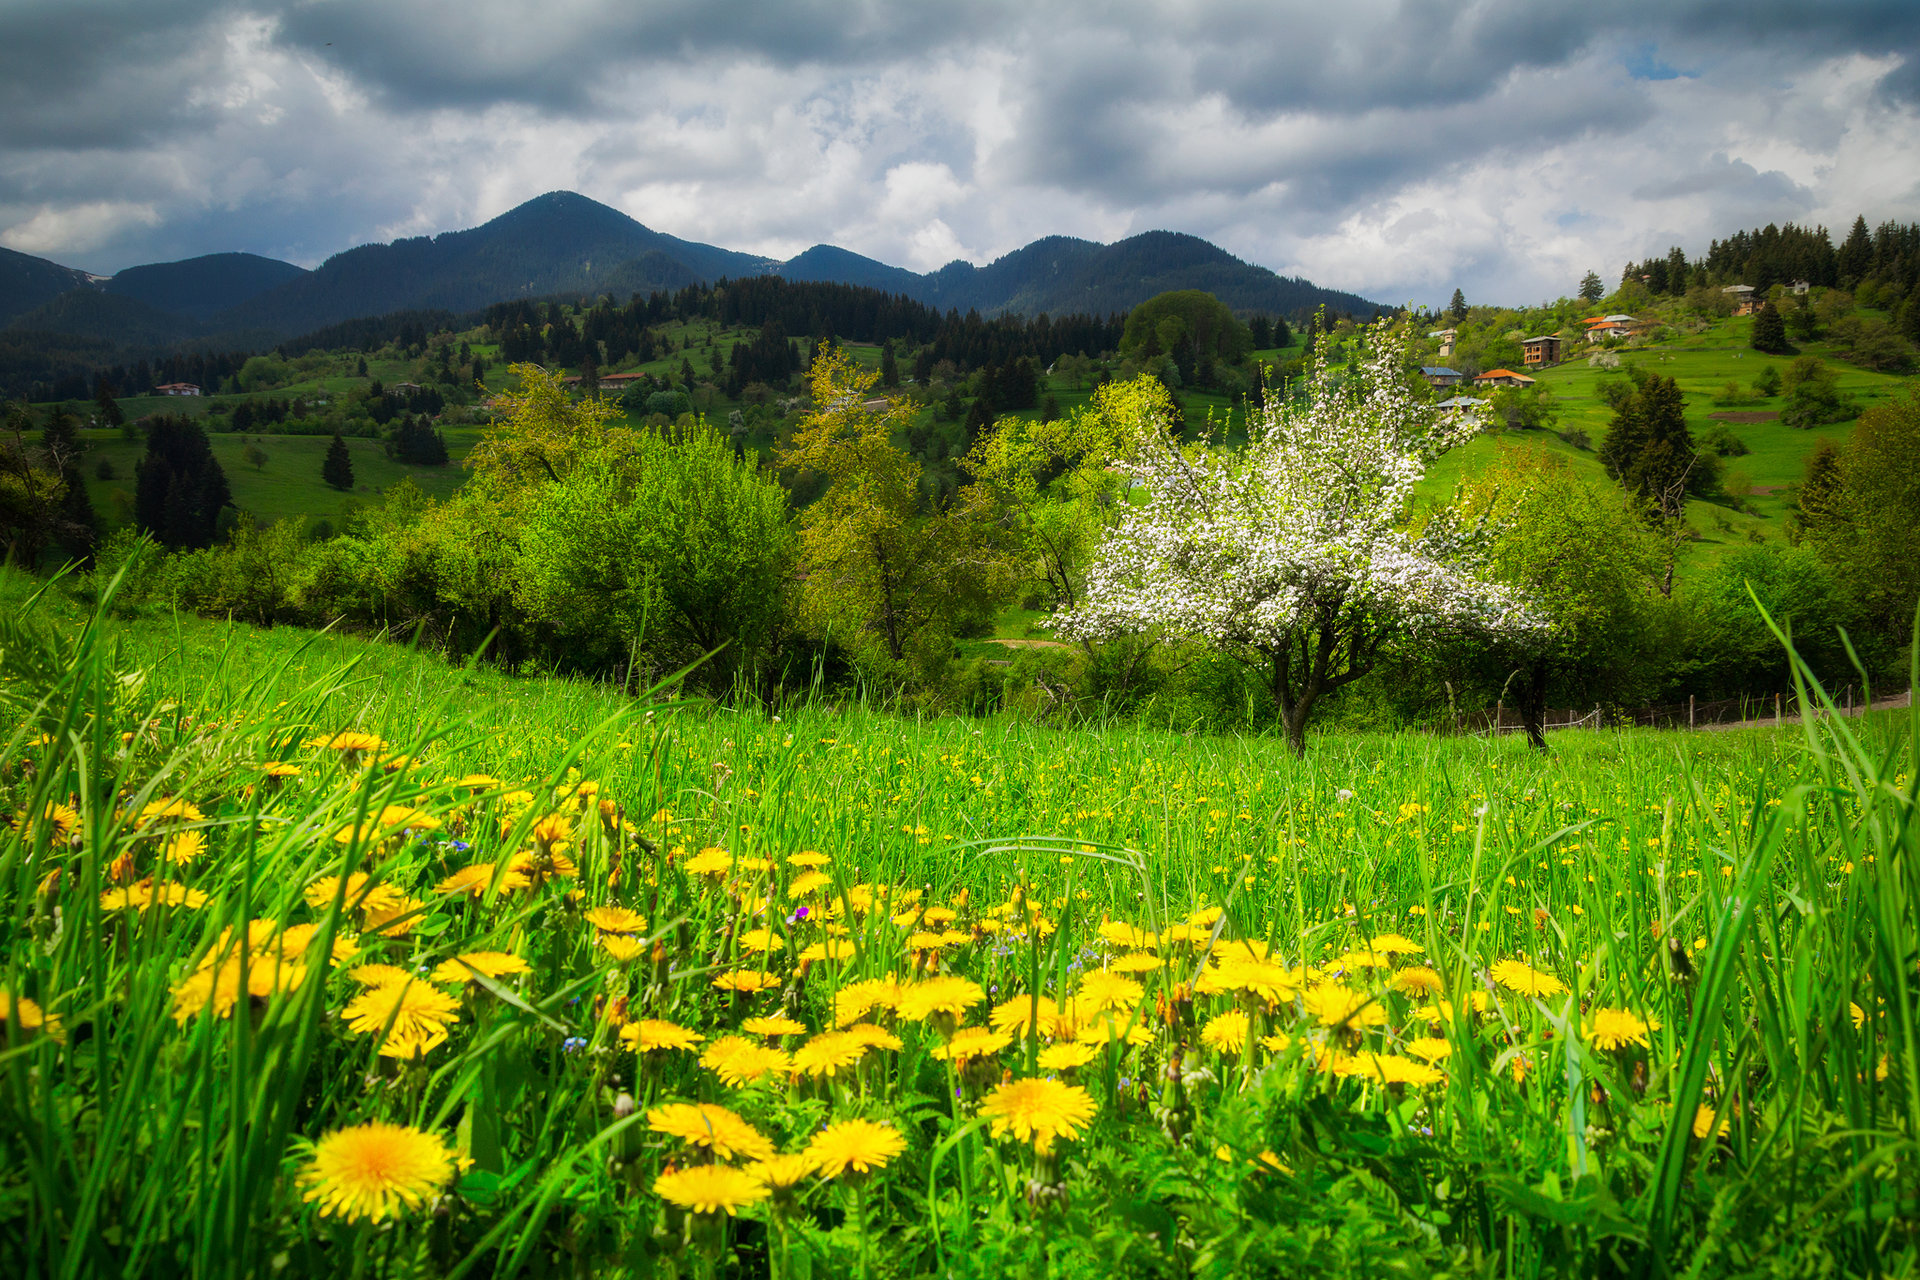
(361, 369)
(337, 470)
(1769, 330)
(889, 367)
(1855, 255)
(1262, 330)
(1591, 289)
(179, 486)
(1677, 271)
(110, 414)
(1457, 308)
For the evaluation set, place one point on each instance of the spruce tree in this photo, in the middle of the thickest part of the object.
(337, 470)
(889, 367)
(1457, 308)
(179, 486)
(1591, 290)
(1769, 330)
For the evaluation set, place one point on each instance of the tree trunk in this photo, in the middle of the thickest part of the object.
(1533, 704)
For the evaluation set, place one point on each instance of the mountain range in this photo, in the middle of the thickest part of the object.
(564, 244)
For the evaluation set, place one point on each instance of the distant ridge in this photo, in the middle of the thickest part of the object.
(563, 244)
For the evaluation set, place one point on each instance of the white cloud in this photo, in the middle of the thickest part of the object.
(1393, 150)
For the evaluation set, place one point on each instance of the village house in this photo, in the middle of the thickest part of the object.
(1502, 378)
(1463, 404)
(176, 389)
(1440, 375)
(1600, 328)
(1541, 351)
(404, 388)
(1745, 302)
(1445, 337)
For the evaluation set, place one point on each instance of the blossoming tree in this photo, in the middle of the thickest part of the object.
(1297, 554)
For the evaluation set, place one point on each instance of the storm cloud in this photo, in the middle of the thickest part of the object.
(1394, 149)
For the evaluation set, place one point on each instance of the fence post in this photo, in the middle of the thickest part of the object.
(1499, 714)
(1776, 710)
(1689, 711)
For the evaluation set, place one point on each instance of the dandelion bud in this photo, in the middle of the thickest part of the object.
(624, 1106)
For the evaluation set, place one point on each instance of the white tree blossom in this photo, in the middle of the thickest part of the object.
(1296, 553)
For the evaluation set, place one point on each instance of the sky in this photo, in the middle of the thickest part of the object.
(1397, 150)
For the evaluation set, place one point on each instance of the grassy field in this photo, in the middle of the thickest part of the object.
(540, 979)
(288, 483)
(1702, 364)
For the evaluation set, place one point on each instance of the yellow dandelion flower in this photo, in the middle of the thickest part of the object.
(972, 1042)
(375, 1170)
(1419, 981)
(761, 941)
(1039, 1111)
(169, 812)
(493, 964)
(807, 884)
(1226, 1033)
(710, 862)
(1332, 1005)
(773, 1026)
(145, 893)
(1615, 1029)
(408, 1008)
(702, 1124)
(784, 1171)
(622, 946)
(1067, 1057)
(1101, 990)
(348, 742)
(1430, 1048)
(738, 1060)
(857, 999)
(615, 920)
(746, 982)
(1136, 962)
(1390, 1068)
(871, 1037)
(1119, 933)
(710, 1188)
(362, 894)
(1703, 1125)
(950, 995)
(1015, 1015)
(186, 847)
(651, 1034)
(24, 1018)
(828, 1054)
(1104, 1028)
(859, 1145)
(808, 858)
(1523, 979)
(829, 949)
(474, 881)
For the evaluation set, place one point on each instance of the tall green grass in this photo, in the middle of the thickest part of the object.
(1746, 892)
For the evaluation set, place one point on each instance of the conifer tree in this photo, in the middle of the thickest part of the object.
(1769, 330)
(889, 367)
(337, 470)
(1591, 290)
(1457, 308)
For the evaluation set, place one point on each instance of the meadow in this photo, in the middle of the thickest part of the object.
(322, 957)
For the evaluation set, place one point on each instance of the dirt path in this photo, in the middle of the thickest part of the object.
(1787, 714)
(1033, 644)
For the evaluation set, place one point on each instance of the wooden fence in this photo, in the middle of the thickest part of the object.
(1691, 714)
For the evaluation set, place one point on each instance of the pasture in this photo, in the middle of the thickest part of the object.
(320, 955)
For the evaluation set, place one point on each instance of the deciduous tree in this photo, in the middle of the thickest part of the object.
(1293, 554)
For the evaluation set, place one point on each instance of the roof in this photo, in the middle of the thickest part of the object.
(1443, 333)
(1738, 288)
(1491, 374)
(1463, 402)
(1439, 371)
(1545, 337)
